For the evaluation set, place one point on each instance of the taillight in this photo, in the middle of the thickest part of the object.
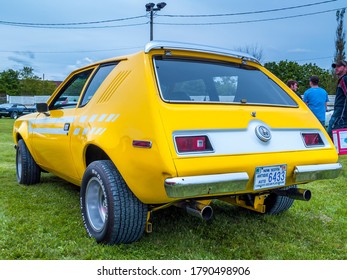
(186, 144)
(312, 139)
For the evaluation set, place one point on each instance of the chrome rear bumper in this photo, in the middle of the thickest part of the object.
(206, 184)
(217, 184)
(307, 173)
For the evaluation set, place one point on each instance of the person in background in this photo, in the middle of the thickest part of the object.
(293, 85)
(339, 118)
(316, 99)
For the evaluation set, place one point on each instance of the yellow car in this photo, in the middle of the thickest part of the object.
(174, 125)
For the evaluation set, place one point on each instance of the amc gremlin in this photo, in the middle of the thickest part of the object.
(174, 125)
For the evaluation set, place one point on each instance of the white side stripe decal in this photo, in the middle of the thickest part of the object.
(102, 117)
(58, 131)
(93, 118)
(110, 117)
(47, 122)
(83, 119)
(115, 117)
(53, 120)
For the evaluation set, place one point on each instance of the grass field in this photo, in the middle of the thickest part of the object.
(44, 222)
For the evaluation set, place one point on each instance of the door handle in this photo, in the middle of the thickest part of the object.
(66, 127)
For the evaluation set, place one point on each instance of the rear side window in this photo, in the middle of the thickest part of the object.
(184, 80)
(100, 75)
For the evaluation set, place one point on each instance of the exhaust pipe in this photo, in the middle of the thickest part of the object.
(295, 193)
(197, 209)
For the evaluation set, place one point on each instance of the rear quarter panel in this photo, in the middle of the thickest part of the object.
(129, 95)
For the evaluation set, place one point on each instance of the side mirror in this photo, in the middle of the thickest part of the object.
(42, 108)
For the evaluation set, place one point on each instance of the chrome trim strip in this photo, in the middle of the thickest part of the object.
(206, 184)
(305, 173)
(197, 48)
(241, 141)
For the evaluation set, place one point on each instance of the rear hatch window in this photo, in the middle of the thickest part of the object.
(199, 81)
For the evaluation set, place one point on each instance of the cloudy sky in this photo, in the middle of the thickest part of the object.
(55, 37)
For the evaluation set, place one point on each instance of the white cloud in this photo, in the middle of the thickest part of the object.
(299, 50)
(80, 63)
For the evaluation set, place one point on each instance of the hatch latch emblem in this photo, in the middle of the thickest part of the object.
(263, 133)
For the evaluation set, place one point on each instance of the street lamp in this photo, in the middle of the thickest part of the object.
(150, 7)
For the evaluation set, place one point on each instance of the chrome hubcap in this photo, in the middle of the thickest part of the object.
(19, 165)
(96, 204)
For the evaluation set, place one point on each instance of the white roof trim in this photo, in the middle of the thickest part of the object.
(197, 48)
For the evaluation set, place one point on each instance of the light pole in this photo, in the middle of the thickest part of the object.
(150, 8)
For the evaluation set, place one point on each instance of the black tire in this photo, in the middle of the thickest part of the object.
(111, 213)
(276, 204)
(14, 115)
(28, 172)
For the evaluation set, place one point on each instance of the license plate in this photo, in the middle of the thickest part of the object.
(270, 176)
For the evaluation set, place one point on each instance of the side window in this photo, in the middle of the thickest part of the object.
(100, 75)
(70, 93)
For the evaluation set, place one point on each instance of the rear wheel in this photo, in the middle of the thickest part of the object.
(111, 213)
(28, 172)
(276, 204)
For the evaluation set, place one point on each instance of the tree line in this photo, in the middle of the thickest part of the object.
(24, 82)
(289, 70)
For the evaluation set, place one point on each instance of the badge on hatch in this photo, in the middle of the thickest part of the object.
(263, 133)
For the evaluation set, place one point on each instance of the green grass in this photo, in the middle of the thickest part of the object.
(44, 222)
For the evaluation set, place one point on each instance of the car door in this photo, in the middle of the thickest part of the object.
(51, 132)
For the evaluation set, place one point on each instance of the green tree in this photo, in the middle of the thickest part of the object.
(47, 88)
(28, 73)
(286, 70)
(24, 82)
(30, 84)
(9, 82)
(340, 36)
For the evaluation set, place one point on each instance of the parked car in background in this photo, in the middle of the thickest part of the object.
(15, 110)
(174, 125)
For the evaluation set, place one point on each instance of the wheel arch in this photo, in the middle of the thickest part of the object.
(94, 153)
(21, 131)
(22, 134)
(18, 137)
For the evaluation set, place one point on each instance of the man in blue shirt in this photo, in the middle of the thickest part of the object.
(316, 99)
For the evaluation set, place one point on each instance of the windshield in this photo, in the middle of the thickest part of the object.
(184, 80)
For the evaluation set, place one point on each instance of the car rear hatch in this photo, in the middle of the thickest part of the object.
(232, 128)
